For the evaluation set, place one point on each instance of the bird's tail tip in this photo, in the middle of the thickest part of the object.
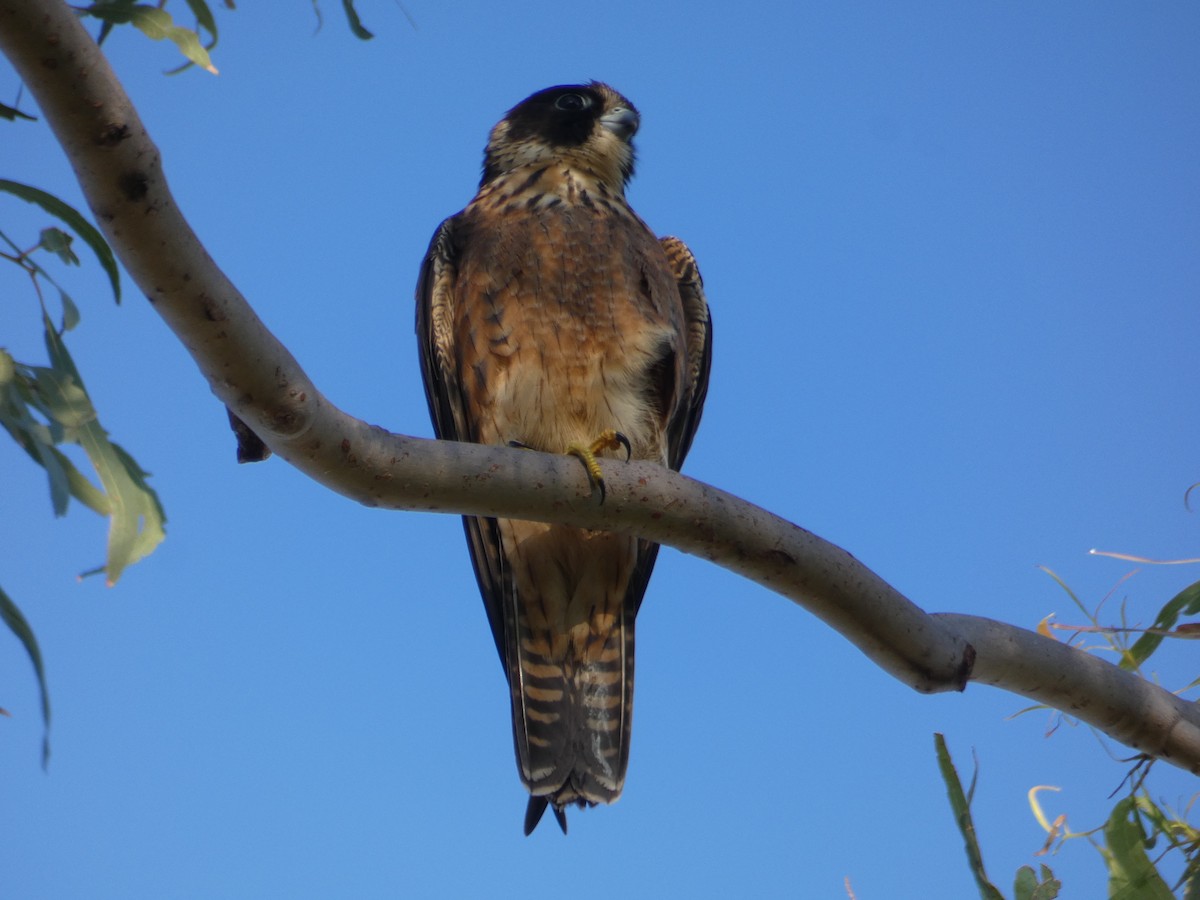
(537, 808)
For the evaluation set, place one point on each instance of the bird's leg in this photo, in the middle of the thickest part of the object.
(609, 439)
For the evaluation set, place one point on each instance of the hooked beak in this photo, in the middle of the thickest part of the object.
(622, 121)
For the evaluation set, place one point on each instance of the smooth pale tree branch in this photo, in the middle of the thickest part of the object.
(120, 171)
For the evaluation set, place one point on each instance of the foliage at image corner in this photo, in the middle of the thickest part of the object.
(1140, 834)
(46, 407)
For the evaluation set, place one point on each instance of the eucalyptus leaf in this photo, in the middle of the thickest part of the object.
(962, 816)
(70, 316)
(11, 114)
(1185, 603)
(75, 221)
(356, 25)
(60, 487)
(157, 25)
(65, 400)
(58, 242)
(11, 615)
(204, 18)
(1130, 871)
(17, 396)
(136, 519)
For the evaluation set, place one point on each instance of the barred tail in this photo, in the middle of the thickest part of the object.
(572, 706)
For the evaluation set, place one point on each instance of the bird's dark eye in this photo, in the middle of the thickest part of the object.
(573, 102)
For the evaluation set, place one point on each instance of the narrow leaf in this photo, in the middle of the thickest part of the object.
(157, 24)
(204, 18)
(60, 486)
(136, 521)
(1185, 603)
(11, 114)
(962, 817)
(70, 317)
(77, 223)
(19, 626)
(356, 25)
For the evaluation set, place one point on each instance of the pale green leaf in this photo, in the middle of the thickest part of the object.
(70, 317)
(17, 396)
(157, 25)
(75, 221)
(63, 399)
(19, 626)
(58, 242)
(204, 20)
(136, 517)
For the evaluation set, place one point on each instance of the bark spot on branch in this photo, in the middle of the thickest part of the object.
(133, 185)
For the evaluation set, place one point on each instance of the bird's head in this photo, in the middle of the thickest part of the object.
(589, 127)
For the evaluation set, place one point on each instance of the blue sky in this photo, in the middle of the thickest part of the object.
(951, 255)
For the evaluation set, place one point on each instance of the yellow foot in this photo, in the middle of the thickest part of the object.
(608, 440)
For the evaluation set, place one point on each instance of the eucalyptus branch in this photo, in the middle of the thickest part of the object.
(120, 171)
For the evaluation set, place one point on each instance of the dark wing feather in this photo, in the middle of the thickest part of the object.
(448, 406)
(682, 426)
(698, 324)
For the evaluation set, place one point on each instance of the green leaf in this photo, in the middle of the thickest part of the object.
(1025, 883)
(58, 242)
(962, 817)
(1130, 871)
(18, 396)
(1185, 603)
(1049, 887)
(70, 317)
(157, 25)
(77, 223)
(1191, 882)
(1027, 886)
(19, 626)
(10, 113)
(64, 399)
(136, 519)
(110, 12)
(204, 18)
(356, 25)
(60, 486)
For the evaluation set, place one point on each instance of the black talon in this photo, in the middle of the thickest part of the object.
(519, 445)
(624, 442)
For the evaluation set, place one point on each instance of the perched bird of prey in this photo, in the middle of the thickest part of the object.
(550, 317)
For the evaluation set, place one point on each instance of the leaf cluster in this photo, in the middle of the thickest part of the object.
(1140, 833)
